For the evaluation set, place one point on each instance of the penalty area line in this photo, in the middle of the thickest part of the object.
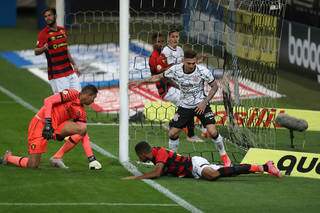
(127, 165)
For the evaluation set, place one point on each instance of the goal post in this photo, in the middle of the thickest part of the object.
(239, 37)
(124, 68)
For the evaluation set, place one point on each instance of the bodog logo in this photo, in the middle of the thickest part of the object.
(288, 163)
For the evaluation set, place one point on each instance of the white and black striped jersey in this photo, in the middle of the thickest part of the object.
(174, 56)
(191, 85)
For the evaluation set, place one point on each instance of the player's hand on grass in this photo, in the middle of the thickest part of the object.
(129, 178)
(47, 131)
(201, 107)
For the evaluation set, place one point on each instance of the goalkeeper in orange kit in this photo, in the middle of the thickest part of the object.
(62, 115)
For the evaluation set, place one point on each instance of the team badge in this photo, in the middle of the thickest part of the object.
(159, 67)
(176, 117)
(33, 146)
(65, 92)
(209, 115)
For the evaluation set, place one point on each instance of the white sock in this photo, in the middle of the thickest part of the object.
(219, 145)
(173, 144)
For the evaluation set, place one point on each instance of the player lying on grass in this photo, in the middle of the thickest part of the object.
(62, 115)
(168, 162)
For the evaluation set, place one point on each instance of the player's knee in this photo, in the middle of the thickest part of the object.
(173, 135)
(33, 164)
(81, 130)
(75, 139)
(212, 132)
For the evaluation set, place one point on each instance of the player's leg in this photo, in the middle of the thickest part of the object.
(174, 138)
(74, 82)
(173, 96)
(78, 135)
(179, 120)
(69, 128)
(242, 169)
(191, 136)
(33, 161)
(66, 129)
(36, 146)
(207, 120)
(59, 84)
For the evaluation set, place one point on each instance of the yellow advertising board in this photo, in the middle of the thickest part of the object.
(298, 164)
(164, 111)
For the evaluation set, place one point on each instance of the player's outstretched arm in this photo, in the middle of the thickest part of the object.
(150, 175)
(152, 79)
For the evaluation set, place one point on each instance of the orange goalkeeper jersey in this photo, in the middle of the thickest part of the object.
(63, 106)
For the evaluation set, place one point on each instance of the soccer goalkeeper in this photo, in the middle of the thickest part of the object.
(62, 115)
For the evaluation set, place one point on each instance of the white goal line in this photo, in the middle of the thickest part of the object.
(127, 165)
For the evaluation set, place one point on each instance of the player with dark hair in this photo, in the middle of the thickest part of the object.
(52, 40)
(158, 63)
(62, 70)
(62, 115)
(168, 162)
(190, 77)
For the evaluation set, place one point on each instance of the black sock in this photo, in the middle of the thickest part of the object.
(190, 128)
(234, 170)
(265, 167)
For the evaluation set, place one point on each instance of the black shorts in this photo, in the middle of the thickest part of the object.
(184, 115)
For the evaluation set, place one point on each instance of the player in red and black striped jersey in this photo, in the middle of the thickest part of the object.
(167, 162)
(52, 40)
(158, 64)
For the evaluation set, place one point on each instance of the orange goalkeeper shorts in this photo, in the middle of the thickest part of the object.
(36, 143)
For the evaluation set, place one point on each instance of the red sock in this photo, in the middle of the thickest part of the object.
(72, 141)
(86, 146)
(18, 161)
(256, 168)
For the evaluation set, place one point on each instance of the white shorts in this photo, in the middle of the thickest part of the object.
(173, 95)
(69, 82)
(199, 163)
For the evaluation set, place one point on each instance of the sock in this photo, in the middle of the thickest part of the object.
(235, 170)
(18, 161)
(86, 146)
(218, 141)
(72, 141)
(256, 168)
(190, 128)
(173, 144)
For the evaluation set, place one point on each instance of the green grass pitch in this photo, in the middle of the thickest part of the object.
(248, 193)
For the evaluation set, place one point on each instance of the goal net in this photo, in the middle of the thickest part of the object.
(240, 40)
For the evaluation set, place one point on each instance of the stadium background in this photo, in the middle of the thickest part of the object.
(301, 91)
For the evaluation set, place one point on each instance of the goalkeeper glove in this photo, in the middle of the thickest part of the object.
(47, 131)
(93, 163)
